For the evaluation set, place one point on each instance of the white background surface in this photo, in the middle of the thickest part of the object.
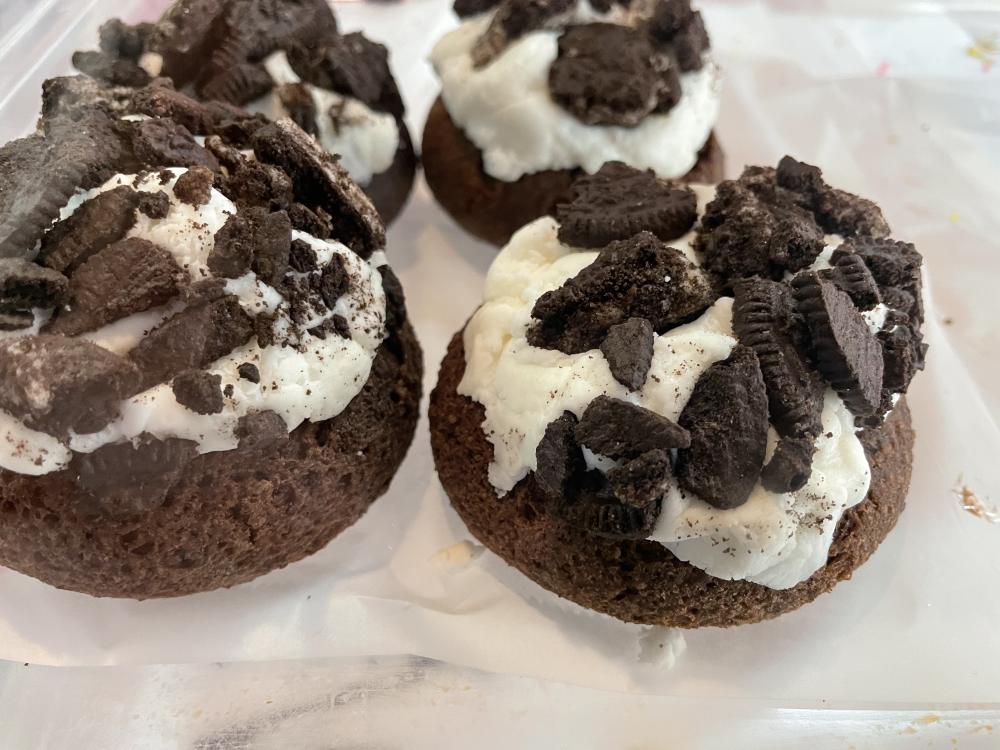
(888, 101)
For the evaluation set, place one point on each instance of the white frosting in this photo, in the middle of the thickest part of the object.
(776, 540)
(505, 108)
(366, 140)
(310, 378)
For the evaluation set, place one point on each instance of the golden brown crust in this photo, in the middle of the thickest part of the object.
(233, 516)
(389, 190)
(492, 209)
(641, 581)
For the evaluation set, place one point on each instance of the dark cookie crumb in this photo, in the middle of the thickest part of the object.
(619, 429)
(727, 419)
(558, 458)
(847, 353)
(850, 274)
(154, 205)
(628, 348)
(896, 267)
(95, 224)
(238, 84)
(199, 391)
(302, 257)
(249, 371)
(25, 285)
(619, 201)
(261, 430)
(194, 187)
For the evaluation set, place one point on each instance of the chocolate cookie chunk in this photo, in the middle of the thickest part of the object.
(691, 44)
(16, 321)
(165, 143)
(302, 257)
(249, 371)
(122, 40)
(605, 74)
(238, 84)
(619, 201)
(465, 8)
(57, 384)
(903, 353)
(755, 228)
(395, 300)
(95, 224)
(25, 285)
(604, 516)
(191, 339)
(320, 181)
(194, 187)
(199, 391)
(765, 320)
(128, 277)
(132, 477)
(558, 458)
(628, 348)
(726, 417)
(512, 20)
(252, 238)
(352, 66)
(619, 429)
(847, 353)
(642, 481)
(669, 18)
(850, 274)
(636, 278)
(109, 68)
(38, 174)
(261, 430)
(840, 212)
(895, 266)
(251, 183)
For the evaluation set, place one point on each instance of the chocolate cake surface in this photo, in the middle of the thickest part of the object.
(684, 405)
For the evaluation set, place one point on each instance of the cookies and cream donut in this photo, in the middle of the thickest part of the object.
(206, 371)
(534, 94)
(281, 58)
(683, 405)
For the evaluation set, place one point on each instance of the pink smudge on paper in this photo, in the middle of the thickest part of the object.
(883, 69)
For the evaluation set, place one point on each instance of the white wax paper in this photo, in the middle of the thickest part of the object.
(899, 103)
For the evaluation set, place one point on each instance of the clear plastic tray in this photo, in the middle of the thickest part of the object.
(392, 636)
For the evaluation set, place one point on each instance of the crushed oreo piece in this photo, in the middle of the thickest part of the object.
(252, 238)
(154, 205)
(642, 481)
(232, 252)
(122, 40)
(619, 201)
(628, 348)
(727, 419)
(302, 257)
(903, 352)
(636, 278)
(203, 290)
(558, 458)
(261, 430)
(466, 8)
(40, 173)
(619, 429)
(263, 329)
(254, 184)
(847, 353)
(595, 509)
(512, 20)
(334, 280)
(318, 223)
(164, 143)
(605, 75)
(335, 324)
(199, 391)
(791, 465)
(753, 227)
(800, 177)
(850, 273)
(194, 186)
(110, 69)
(669, 18)
(249, 371)
(191, 339)
(238, 84)
(691, 43)
(128, 277)
(843, 213)
(320, 181)
(67, 95)
(57, 384)
(25, 285)
(95, 224)
(896, 267)
(353, 66)
(395, 300)
(133, 477)
(16, 321)
(298, 102)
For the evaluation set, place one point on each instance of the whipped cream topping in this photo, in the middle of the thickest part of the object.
(505, 108)
(301, 376)
(366, 140)
(776, 540)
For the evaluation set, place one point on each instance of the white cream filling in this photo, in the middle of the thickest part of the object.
(776, 540)
(366, 140)
(314, 379)
(505, 108)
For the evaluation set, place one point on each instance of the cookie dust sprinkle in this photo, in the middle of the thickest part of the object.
(457, 555)
(971, 503)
